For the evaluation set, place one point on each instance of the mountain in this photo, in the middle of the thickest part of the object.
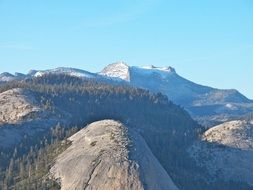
(4, 77)
(107, 155)
(119, 70)
(40, 113)
(206, 104)
(226, 151)
(62, 70)
(7, 77)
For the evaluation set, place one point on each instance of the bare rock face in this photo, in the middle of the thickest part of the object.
(234, 134)
(227, 151)
(105, 155)
(16, 105)
(117, 70)
(22, 114)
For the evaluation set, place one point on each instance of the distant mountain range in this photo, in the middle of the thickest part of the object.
(208, 105)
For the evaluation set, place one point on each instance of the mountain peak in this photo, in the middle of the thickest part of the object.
(122, 71)
(117, 70)
(6, 74)
(122, 63)
(6, 77)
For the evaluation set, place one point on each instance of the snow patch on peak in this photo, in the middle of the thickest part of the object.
(122, 71)
(117, 70)
(163, 72)
(120, 63)
(165, 69)
(231, 106)
(39, 74)
(63, 70)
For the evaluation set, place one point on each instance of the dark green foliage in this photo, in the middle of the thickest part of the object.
(29, 169)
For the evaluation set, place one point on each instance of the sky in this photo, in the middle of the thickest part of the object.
(209, 42)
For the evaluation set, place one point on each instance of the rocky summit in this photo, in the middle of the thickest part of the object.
(105, 155)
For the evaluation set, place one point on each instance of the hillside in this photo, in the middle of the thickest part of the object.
(105, 155)
(22, 113)
(226, 151)
(75, 102)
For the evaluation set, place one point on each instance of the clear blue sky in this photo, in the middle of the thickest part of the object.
(207, 41)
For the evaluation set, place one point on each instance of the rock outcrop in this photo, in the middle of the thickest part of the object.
(226, 151)
(22, 114)
(106, 155)
(16, 105)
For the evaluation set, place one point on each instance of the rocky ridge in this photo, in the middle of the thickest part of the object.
(105, 155)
